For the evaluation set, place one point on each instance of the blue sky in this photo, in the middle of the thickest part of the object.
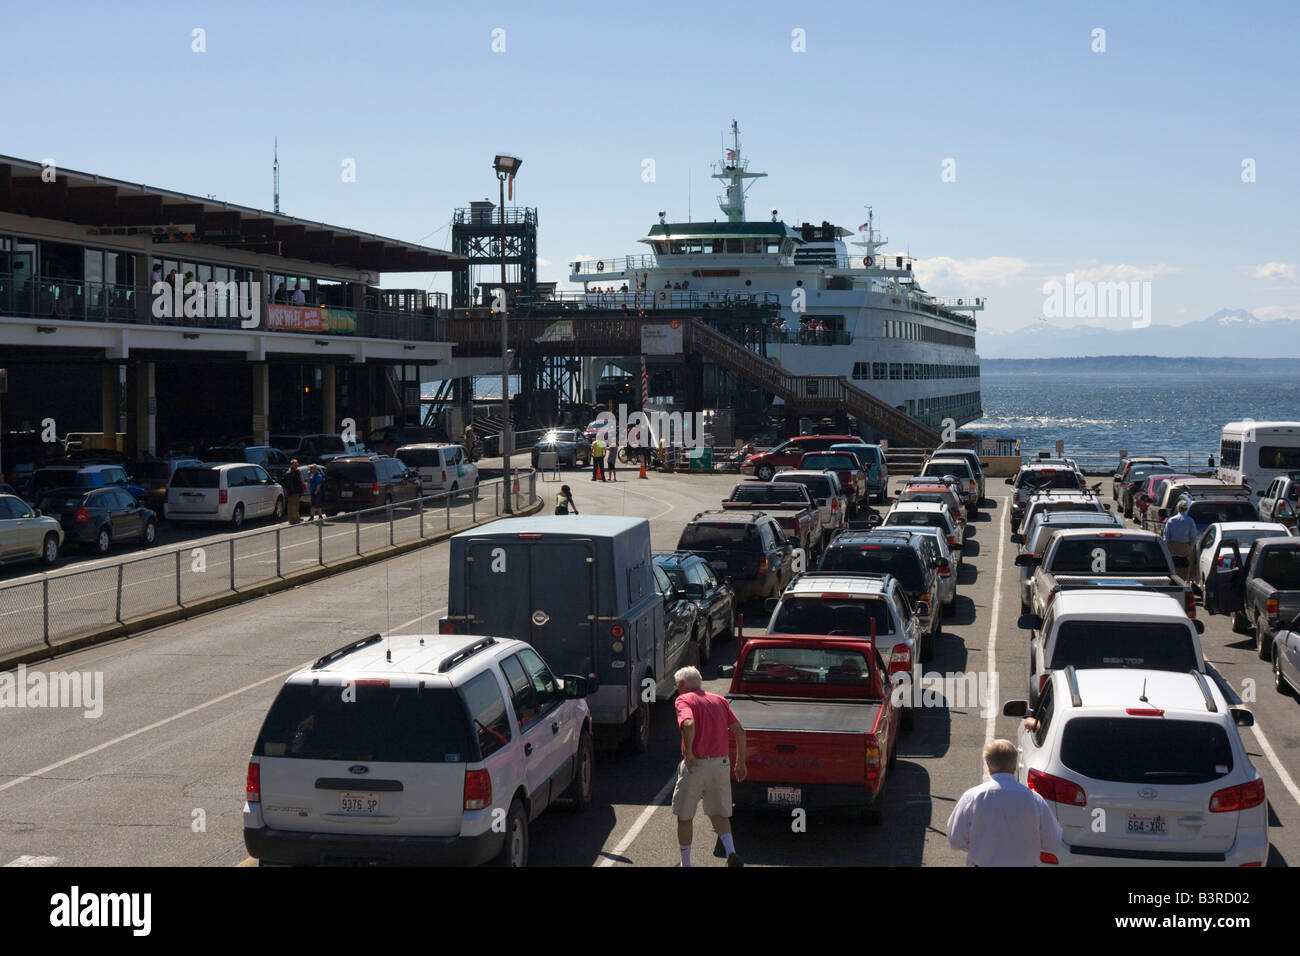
(1125, 164)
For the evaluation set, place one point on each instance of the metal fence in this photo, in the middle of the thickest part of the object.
(58, 607)
(1101, 460)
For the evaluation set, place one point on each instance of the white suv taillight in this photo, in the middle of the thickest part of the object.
(478, 790)
(253, 783)
(223, 496)
(1241, 797)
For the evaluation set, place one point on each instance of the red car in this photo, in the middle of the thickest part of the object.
(821, 722)
(789, 453)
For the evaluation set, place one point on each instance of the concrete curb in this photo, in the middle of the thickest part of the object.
(158, 619)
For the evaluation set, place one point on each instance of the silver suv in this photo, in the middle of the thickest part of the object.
(416, 749)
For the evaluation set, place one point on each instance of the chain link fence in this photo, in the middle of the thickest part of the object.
(58, 607)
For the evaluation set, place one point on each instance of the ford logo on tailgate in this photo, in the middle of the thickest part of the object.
(358, 768)
(1146, 793)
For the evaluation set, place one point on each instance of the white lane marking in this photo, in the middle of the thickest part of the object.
(639, 824)
(990, 724)
(1271, 754)
(416, 620)
(154, 726)
(658, 514)
(27, 860)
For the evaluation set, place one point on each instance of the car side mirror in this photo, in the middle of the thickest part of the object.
(1242, 716)
(770, 604)
(1017, 538)
(575, 686)
(1026, 561)
(942, 563)
(1199, 625)
(1030, 622)
(1010, 481)
(1106, 506)
(1260, 493)
(1015, 708)
(37, 513)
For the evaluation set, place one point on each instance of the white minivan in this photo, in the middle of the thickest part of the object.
(232, 493)
(439, 467)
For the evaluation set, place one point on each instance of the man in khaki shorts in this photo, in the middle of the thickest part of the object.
(705, 771)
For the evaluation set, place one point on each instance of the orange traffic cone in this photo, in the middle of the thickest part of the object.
(514, 485)
(643, 474)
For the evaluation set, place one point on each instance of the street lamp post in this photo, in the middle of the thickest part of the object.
(506, 167)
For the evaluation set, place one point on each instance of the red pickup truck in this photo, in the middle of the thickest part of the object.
(820, 723)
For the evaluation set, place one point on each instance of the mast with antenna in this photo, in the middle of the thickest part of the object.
(733, 171)
(275, 173)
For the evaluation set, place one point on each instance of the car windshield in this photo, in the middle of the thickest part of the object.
(329, 444)
(1161, 647)
(846, 617)
(958, 469)
(1056, 478)
(865, 454)
(806, 665)
(1206, 513)
(1143, 472)
(559, 436)
(1155, 750)
(707, 536)
(189, 477)
(376, 723)
(758, 492)
(1119, 556)
(902, 561)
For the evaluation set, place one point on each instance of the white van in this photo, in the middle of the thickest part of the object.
(1254, 453)
(232, 493)
(439, 467)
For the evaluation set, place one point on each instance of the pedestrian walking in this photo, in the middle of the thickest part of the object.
(705, 772)
(1003, 822)
(315, 484)
(564, 503)
(293, 489)
(597, 458)
(1180, 535)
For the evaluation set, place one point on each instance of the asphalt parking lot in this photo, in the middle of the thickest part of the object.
(182, 705)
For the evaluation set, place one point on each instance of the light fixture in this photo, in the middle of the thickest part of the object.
(506, 165)
(46, 329)
(774, 214)
(662, 213)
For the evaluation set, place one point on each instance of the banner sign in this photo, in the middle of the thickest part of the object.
(298, 318)
(662, 339)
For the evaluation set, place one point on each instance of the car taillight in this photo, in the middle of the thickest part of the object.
(1042, 681)
(763, 564)
(253, 783)
(1056, 789)
(223, 496)
(1241, 797)
(1045, 857)
(1016, 497)
(900, 660)
(444, 475)
(835, 504)
(1270, 607)
(952, 541)
(1144, 711)
(478, 790)
(445, 627)
(873, 763)
(83, 514)
(1189, 603)
(374, 488)
(616, 630)
(944, 572)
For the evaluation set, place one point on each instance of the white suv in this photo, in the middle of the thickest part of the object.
(416, 749)
(1143, 768)
(232, 493)
(440, 468)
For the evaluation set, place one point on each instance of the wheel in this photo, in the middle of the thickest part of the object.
(103, 541)
(705, 641)
(580, 790)
(278, 513)
(638, 728)
(1279, 682)
(150, 534)
(49, 550)
(1263, 642)
(764, 472)
(873, 816)
(237, 517)
(1240, 623)
(514, 848)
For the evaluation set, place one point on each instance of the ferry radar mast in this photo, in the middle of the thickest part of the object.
(733, 170)
(873, 241)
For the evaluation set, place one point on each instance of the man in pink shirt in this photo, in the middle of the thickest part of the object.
(705, 773)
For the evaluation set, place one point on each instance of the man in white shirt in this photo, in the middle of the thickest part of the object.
(299, 297)
(1003, 822)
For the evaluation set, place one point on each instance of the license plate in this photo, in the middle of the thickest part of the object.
(784, 796)
(345, 494)
(359, 803)
(1147, 823)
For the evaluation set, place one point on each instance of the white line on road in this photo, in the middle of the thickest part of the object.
(154, 726)
(1271, 755)
(27, 860)
(659, 514)
(416, 620)
(639, 824)
(990, 726)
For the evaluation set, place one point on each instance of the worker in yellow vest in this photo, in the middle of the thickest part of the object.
(597, 459)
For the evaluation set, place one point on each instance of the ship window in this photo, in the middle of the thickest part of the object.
(694, 247)
(678, 248)
(878, 370)
(735, 245)
(773, 246)
(895, 370)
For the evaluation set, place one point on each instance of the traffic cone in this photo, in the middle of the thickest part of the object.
(514, 485)
(643, 474)
(600, 469)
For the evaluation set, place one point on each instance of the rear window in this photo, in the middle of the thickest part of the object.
(806, 445)
(806, 665)
(1155, 750)
(703, 536)
(61, 502)
(938, 468)
(359, 472)
(1206, 513)
(1049, 479)
(417, 457)
(1281, 568)
(1278, 456)
(760, 493)
(407, 725)
(902, 561)
(848, 617)
(818, 486)
(916, 519)
(834, 462)
(45, 479)
(1121, 556)
(189, 477)
(1161, 647)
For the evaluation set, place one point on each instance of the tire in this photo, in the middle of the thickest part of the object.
(705, 642)
(730, 633)
(50, 550)
(1240, 623)
(638, 727)
(103, 541)
(873, 816)
(1279, 682)
(1263, 641)
(278, 513)
(514, 848)
(237, 517)
(764, 472)
(149, 536)
(580, 790)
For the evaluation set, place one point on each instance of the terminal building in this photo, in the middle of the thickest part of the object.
(265, 323)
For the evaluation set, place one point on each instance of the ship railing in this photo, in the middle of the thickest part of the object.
(596, 268)
(1105, 461)
(655, 299)
(876, 263)
(959, 302)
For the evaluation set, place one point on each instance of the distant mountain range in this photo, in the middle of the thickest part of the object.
(1229, 332)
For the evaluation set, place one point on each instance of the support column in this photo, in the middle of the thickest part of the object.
(329, 421)
(108, 404)
(142, 426)
(261, 403)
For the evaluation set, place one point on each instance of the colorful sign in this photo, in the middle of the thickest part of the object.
(662, 339)
(298, 318)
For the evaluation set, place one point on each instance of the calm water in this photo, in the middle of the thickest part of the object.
(1113, 410)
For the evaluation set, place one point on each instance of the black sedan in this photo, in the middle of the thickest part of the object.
(568, 444)
(96, 517)
(715, 599)
(682, 622)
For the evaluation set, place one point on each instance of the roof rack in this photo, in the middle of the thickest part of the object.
(1072, 679)
(464, 654)
(345, 650)
(884, 577)
(1205, 691)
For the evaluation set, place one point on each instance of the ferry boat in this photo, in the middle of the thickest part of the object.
(874, 324)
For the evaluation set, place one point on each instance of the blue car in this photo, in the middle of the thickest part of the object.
(872, 460)
(83, 476)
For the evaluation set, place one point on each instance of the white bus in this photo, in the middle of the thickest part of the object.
(1254, 453)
